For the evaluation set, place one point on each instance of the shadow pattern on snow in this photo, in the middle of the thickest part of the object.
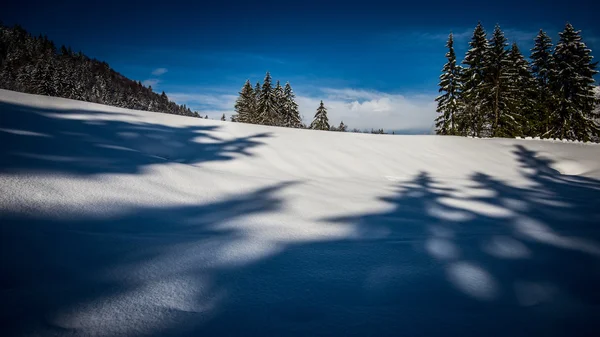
(151, 271)
(496, 260)
(34, 139)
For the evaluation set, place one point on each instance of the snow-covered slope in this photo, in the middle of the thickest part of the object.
(123, 223)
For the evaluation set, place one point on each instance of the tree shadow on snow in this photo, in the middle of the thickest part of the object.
(137, 273)
(34, 139)
(493, 260)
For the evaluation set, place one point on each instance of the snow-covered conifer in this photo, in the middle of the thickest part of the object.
(267, 104)
(472, 119)
(448, 102)
(496, 68)
(321, 122)
(542, 65)
(291, 115)
(245, 105)
(573, 85)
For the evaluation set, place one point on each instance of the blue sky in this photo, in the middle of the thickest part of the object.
(374, 63)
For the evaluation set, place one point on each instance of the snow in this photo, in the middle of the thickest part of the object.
(118, 222)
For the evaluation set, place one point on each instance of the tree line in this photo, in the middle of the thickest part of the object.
(498, 93)
(276, 106)
(34, 65)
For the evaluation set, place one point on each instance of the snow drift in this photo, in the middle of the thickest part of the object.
(118, 222)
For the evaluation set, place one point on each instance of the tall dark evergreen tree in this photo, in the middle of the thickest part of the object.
(472, 119)
(573, 85)
(291, 115)
(518, 117)
(542, 65)
(245, 105)
(267, 104)
(279, 102)
(496, 67)
(257, 90)
(320, 122)
(449, 101)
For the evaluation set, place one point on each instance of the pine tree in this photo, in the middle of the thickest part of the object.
(267, 104)
(542, 65)
(472, 119)
(342, 127)
(245, 105)
(448, 103)
(321, 122)
(496, 67)
(573, 85)
(291, 115)
(223, 118)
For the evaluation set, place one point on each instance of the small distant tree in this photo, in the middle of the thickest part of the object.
(320, 122)
(223, 118)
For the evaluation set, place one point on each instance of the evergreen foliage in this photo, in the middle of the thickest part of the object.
(496, 70)
(268, 113)
(245, 105)
(475, 93)
(320, 122)
(33, 65)
(519, 118)
(291, 115)
(572, 84)
(448, 102)
(542, 65)
(499, 93)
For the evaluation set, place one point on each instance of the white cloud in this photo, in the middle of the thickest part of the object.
(151, 81)
(363, 109)
(159, 71)
(360, 109)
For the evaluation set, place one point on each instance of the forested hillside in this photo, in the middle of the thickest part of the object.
(34, 65)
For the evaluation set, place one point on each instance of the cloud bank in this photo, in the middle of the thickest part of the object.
(159, 71)
(359, 109)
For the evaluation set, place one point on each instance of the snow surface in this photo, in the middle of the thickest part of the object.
(118, 222)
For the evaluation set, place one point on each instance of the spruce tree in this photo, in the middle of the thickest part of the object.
(291, 115)
(321, 122)
(223, 118)
(279, 102)
(496, 83)
(245, 105)
(472, 119)
(518, 118)
(267, 104)
(542, 65)
(257, 91)
(342, 127)
(448, 102)
(573, 85)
